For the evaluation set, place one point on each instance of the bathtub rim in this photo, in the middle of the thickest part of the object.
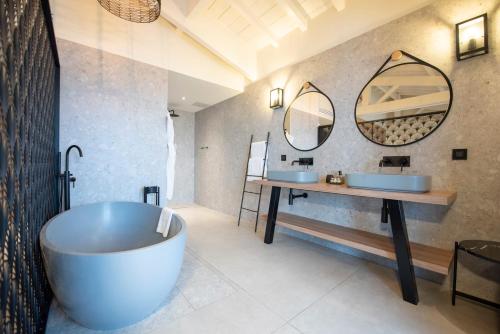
(45, 243)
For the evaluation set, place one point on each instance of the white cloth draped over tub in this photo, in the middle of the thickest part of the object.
(170, 157)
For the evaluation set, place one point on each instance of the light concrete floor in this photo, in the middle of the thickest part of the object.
(231, 282)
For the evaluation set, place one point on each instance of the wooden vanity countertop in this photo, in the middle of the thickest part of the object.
(437, 197)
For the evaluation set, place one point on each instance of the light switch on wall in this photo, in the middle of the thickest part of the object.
(459, 154)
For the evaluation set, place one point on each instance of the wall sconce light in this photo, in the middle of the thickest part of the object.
(472, 37)
(276, 98)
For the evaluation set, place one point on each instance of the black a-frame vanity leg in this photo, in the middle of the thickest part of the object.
(271, 215)
(403, 252)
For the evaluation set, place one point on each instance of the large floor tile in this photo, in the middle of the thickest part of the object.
(200, 284)
(175, 307)
(237, 314)
(281, 275)
(370, 302)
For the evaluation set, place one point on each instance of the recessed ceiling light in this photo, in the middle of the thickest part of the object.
(183, 98)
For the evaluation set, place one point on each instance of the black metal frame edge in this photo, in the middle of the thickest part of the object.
(380, 71)
(455, 292)
(317, 90)
(53, 44)
(50, 28)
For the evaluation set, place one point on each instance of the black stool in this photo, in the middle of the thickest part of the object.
(486, 250)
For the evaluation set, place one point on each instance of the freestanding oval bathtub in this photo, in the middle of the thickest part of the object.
(107, 265)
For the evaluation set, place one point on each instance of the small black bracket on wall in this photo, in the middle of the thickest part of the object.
(291, 196)
(152, 190)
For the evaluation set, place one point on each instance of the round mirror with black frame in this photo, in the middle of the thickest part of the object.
(309, 119)
(403, 103)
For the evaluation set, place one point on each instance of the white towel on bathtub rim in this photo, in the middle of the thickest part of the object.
(164, 221)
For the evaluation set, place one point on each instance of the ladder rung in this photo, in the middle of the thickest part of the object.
(251, 192)
(249, 209)
(254, 175)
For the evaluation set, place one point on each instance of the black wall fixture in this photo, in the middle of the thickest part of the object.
(29, 118)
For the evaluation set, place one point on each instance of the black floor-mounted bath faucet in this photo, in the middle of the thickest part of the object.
(67, 177)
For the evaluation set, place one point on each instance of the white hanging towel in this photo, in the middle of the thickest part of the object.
(255, 166)
(170, 157)
(258, 149)
(164, 221)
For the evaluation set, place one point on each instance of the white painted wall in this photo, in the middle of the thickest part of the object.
(157, 43)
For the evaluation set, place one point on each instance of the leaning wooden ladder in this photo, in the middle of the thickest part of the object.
(245, 191)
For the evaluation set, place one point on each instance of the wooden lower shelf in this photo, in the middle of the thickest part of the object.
(430, 258)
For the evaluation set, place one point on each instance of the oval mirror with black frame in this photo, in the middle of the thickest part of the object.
(403, 103)
(309, 119)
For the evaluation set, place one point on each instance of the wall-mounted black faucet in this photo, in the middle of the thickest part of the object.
(67, 177)
(395, 161)
(304, 162)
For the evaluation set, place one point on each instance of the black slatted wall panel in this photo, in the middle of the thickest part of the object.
(29, 88)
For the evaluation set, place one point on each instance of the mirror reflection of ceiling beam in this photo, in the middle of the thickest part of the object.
(212, 37)
(399, 114)
(417, 102)
(394, 95)
(339, 5)
(434, 80)
(431, 73)
(325, 114)
(248, 14)
(295, 10)
(388, 93)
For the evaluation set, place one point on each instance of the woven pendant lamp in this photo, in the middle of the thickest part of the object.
(139, 11)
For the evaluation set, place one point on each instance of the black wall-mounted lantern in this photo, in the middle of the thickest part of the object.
(276, 98)
(472, 37)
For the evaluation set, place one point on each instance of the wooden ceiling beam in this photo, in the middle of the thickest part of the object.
(295, 10)
(339, 4)
(249, 15)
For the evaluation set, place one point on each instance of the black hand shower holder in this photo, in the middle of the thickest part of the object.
(152, 190)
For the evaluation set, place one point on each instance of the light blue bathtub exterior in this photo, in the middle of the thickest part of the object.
(107, 265)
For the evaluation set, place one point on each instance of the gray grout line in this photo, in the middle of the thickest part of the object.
(358, 268)
(287, 324)
(236, 285)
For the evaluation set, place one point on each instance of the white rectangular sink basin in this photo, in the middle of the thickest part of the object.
(293, 176)
(390, 182)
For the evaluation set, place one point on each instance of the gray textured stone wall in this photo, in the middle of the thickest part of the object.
(114, 108)
(341, 73)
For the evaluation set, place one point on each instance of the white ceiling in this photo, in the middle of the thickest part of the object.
(212, 48)
(238, 31)
(186, 93)
(264, 22)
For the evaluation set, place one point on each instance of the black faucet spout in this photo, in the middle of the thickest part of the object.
(67, 154)
(67, 177)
